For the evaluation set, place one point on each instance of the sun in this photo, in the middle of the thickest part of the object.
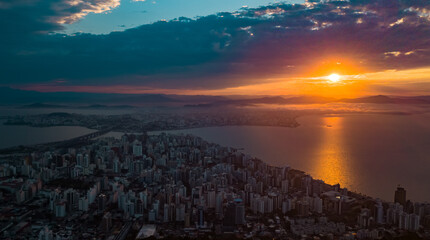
(334, 78)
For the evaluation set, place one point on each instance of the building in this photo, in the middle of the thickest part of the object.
(137, 149)
(235, 213)
(46, 234)
(102, 201)
(400, 196)
(107, 221)
(379, 212)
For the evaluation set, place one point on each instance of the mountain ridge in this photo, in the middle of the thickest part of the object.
(33, 99)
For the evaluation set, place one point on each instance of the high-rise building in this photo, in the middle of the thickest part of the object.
(364, 217)
(235, 213)
(239, 212)
(400, 196)
(284, 186)
(302, 208)
(107, 221)
(201, 216)
(379, 212)
(414, 222)
(166, 213)
(211, 199)
(83, 204)
(102, 200)
(180, 213)
(60, 209)
(219, 202)
(130, 207)
(151, 215)
(318, 205)
(46, 234)
(86, 161)
(287, 205)
(116, 165)
(403, 220)
(80, 159)
(137, 149)
(72, 198)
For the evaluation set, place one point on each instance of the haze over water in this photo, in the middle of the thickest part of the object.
(368, 153)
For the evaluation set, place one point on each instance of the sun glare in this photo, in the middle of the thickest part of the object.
(334, 78)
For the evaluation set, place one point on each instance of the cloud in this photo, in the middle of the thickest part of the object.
(19, 18)
(217, 51)
(73, 10)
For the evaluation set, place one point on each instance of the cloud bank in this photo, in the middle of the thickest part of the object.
(212, 52)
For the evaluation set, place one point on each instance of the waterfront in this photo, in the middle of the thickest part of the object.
(366, 153)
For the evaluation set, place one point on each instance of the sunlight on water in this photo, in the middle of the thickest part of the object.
(332, 163)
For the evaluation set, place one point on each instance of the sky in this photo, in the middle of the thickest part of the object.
(217, 47)
(132, 13)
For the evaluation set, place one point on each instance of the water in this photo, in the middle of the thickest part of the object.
(367, 153)
(12, 135)
(24, 135)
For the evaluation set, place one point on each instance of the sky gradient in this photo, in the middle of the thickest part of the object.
(218, 47)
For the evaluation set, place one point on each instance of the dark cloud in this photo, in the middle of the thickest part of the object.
(222, 50)
(22, 18)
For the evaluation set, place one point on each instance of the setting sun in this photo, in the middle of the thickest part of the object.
(334, 77)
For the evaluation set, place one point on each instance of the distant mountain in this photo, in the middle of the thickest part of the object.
(309, 100)
(59, 114)
(198, 98)
(426, 98)
(143, 98)
(107, 106)
(371, 99)
(381, 99)
(43, 105)
(269, 100)
(33, 99)
(96, 106)
(252, 101)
